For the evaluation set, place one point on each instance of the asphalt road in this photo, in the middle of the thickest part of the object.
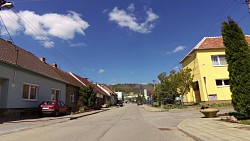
(128, 123)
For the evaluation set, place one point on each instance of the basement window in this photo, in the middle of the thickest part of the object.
(221, 83)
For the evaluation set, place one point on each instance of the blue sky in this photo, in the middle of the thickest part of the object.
(117, 41)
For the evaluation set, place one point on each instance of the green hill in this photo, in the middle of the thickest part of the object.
(135, 88)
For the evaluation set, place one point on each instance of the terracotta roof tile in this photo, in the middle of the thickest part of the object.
(16, 56)
(85, 82)
(214, 42)
(67, 77)
(109, 89)
(211, 43)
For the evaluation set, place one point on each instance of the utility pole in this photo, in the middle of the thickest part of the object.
(248, 4)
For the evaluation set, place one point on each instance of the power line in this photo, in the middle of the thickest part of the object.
(241, 19)
(5, 28)
(58, 53)
(237, 1)
(213, 25)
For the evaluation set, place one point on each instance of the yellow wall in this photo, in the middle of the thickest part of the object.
(201, 64)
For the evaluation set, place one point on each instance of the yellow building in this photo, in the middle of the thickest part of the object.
(209, 67)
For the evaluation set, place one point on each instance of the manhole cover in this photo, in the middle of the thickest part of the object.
(164, 129)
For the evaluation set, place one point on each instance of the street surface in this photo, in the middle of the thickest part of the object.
(128, 123)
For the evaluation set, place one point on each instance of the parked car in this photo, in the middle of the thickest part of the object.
(139, 103)
(120, 103)
(52, 107)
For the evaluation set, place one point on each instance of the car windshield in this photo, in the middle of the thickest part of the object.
(48, 102)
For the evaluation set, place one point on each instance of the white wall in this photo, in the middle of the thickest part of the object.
(16, 78)
(119, 95)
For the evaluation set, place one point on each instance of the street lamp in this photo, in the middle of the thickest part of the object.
(6, 4)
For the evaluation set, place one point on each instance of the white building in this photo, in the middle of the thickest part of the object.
(120, 95)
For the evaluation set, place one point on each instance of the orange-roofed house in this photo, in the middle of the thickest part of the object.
(113, 95)
(72, 88)
(25, 81)
(102, 97)
(209, 67)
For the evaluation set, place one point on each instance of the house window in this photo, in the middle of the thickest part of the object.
(219, 60)
(30, 91)
(55, 93)
(222, 82)
(72, 97)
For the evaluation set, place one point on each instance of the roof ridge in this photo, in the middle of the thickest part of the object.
(213, 37)
(202, 41)
(77, 78)
(199, 43)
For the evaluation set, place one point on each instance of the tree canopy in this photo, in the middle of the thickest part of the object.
(176, 84)
(238, 59)
(88, 96)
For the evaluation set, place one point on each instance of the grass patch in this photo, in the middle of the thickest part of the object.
(216, 105)
(168, 107)
(246, 122)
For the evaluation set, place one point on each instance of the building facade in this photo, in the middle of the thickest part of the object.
(209, 68)
(25, 81)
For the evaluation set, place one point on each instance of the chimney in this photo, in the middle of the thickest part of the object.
(42, 59)
(9, 41)
(54, 65)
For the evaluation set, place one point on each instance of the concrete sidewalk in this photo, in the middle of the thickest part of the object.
(213, 129)
(210, 129)
(26, 124)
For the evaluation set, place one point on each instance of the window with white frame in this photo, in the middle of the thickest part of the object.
(219, 60)
(72, 97)
(30, 91)
(222, 82)
(55, 94)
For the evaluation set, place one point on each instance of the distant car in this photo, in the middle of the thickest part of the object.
(52, 107)
(139, 103)
(120, 104)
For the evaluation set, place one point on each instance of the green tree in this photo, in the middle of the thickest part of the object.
(164, 92)
(88, 96)
(238, 59)
(178, 83)
(144, 101)
(181, 81)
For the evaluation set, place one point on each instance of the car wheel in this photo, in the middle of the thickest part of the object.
(56, 113)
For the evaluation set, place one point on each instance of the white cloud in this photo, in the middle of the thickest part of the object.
(132, 72)
(177, 68)
(77, 44)
(105, 11)
(129, 20)
(131, 7)
(101, 71)
(151, 16)
(44, 27)
(11, 23)
(179, 48)
(168, 52)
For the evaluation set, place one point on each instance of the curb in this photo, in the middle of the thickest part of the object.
(187, 133)
(83, 115)
(54, 121)
(29, 128)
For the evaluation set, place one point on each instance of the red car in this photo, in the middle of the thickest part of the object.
(52, 107)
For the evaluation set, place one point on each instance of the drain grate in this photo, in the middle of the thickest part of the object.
(164, 129)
